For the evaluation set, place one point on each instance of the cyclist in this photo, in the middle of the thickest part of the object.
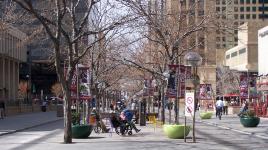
(219, 107)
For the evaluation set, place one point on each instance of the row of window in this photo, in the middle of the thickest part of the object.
(244, 9)
(234, 54)
(223, 2)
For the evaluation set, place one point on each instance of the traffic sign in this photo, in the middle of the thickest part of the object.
(189, 103)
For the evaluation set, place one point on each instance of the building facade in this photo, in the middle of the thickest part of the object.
(235, 13)
(244, 56)
(262, 81)
(12, 53)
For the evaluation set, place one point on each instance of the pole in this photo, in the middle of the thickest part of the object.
(195, 85)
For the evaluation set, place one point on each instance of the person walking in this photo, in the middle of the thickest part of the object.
(225, 107)
(2, 109)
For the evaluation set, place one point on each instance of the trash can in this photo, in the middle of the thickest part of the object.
(59, 110)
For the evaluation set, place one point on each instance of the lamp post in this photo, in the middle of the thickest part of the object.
(193, 59)
(27, 88)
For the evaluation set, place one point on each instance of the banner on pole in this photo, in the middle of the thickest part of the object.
(189, 103)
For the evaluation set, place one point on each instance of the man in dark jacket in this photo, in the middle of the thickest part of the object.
(2, 109)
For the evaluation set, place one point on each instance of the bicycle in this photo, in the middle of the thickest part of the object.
(97, 127)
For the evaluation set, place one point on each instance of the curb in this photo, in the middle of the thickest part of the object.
(33, 126)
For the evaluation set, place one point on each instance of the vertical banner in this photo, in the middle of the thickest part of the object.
(183, 72)
(189, 103)
(82, 74)
(205, 92)
(243, 85)
(148, 89)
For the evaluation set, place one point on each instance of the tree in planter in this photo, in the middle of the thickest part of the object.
(67, 30)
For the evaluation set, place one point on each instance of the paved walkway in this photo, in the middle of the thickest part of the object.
(16, 123)
(232, 122)
(25, 121)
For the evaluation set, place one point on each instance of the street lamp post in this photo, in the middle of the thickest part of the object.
(27, 88)
(193, 59)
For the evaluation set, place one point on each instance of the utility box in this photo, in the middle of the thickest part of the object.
(142, 113)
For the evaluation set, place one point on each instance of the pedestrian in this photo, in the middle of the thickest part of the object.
(2, 109)
(219, 107)
(243, 109)
(127, 115)
(225, 107)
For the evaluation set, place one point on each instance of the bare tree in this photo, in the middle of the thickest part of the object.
(67, 24)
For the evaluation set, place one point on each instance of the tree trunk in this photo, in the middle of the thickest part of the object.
(163, 104)
(67, 118)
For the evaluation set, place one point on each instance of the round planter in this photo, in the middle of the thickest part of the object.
(250, 121)
(176, 131)
(206, 115)
(81, 131)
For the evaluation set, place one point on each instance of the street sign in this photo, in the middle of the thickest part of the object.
(189, 103)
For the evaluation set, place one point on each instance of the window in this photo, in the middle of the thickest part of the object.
(254, 9)
(223, 8)
(234, 54)
(235, 1)
(218, 46)
(218, 39)
(248, 1)
(253, 16)
(241, 9)
(253, 1)
(227, 56)
(218, 9)
(223, 2)
(218, 2)
(223, 39)
(224, 45)
(235, 9)
(236, 16)
(248, 9)
(241, 1)
(241, 51)
(248, 16)
(242, 17)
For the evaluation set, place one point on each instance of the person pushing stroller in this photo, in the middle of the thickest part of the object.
(126, 117)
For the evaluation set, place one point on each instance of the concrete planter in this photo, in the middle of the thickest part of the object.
(176, 131)
(249, 121)
(206, 115)
(81, 131)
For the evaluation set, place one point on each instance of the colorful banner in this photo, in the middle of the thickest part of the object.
(183, 72)
(205, 92)
(248, 84)
(84, 83)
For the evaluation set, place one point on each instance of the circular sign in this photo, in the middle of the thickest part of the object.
(189, 100)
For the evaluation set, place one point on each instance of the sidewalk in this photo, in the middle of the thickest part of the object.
(232, 122)
(16, 123)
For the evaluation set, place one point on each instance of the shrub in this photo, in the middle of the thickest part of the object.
(249, 113)
(75, 118)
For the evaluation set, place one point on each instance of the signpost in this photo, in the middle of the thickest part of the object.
(189, 103)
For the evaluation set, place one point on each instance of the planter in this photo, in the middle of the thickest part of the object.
(81, 131)
(176, 131)
(206, 115)
(249, 121)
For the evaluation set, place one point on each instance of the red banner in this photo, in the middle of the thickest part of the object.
(183, 72)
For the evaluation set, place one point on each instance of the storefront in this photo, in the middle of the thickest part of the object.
(261, 104)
